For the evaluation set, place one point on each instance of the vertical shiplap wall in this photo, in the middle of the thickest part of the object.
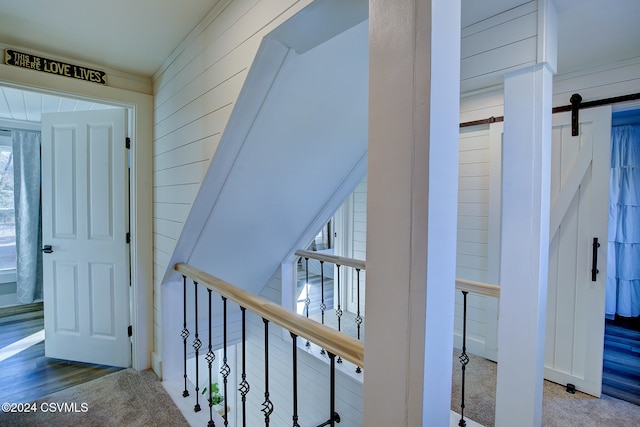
(194, 94)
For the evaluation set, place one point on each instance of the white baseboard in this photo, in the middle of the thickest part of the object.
(156, 364)
(474, 345)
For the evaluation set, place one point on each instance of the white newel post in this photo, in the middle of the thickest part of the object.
(172, 319)
(525, 246)
(526, 170)
(414, 54)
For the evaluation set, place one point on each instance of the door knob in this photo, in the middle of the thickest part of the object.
(47, 249)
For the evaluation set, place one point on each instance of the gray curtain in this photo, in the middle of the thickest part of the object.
(26, 166)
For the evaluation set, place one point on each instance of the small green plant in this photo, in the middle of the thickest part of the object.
(216, 397)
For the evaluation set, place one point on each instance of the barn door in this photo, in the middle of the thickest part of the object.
(579, 215)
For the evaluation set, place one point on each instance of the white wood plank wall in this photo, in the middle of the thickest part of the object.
(472, 252)
(473, 231)
(194, 94)
(497, 45)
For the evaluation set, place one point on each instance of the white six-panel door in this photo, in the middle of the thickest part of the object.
(579, 212)
(86, 276)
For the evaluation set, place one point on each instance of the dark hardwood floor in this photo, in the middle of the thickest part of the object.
(29, 375)
(621, 369)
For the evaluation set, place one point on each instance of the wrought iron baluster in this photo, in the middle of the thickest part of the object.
(225, 370)
(196, 346)
(210, 358)
(334, 416)
(358, 317)
(307, 300)
(464, 358)
(244, 385)
(333, 412)
(323, 306)
(339, 309)
(294, 356)
(267, 405)
(184, 333)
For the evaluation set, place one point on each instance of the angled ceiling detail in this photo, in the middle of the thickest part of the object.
(269, 188)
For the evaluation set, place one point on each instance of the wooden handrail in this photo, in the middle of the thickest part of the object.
(461, 284)
(339, 260)
(481, 288)
(331, 340)
(478, 287)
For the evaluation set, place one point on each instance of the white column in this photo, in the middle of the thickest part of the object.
(411, 211)
(525, 246)
(524, 261)
(289, 273)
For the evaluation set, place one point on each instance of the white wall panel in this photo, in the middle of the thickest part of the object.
(208, 125)
(194, 93)
(169, 228)
(184, 174)
(179, 193)
(211, 100)
(498, 44)
(618, 79)
(192, 152)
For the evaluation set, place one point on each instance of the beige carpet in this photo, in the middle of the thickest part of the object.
(124, 398)
(559, 408)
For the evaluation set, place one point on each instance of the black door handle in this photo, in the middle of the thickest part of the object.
(594, 261)
(47, 249)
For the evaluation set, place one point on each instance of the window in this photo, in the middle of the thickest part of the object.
(323, 239)
(7, 211)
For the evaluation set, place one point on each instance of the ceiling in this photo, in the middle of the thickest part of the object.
(137, 36)
(134, 36)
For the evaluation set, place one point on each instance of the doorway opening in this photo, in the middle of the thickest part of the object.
(621, 364)
(20, 110)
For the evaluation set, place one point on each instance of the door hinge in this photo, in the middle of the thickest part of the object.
(130, 330)
(128, 237)
(127, 142)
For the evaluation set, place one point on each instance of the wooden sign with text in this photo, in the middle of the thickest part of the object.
(38, 63)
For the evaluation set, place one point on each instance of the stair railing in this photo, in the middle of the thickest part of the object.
(480, 288)
(462, 285)
(335, 343)
(357, 265)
